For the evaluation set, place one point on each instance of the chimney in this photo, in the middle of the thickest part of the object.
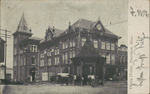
(30, 29)
(69, 25)
(53, 29)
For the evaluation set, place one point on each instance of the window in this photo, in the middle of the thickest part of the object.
(108, 46)
(48, 36)
(33, 60)
(113, 59)
(83, 41)
(33, 48)
(72, 42)
(15, 62)
(42, 55)
(65, 58)
(24, 60)
(15, 40)
(24, 49)
(124, 59)
(48, 53)
(49, 62)
(21, 60)
(70, 57)
(103, 55)
(56, 51)
(15, 50)
(56, 60)
(65, 45)
(95, 43)
(108, 59)
(103, 45)
(120, 59)
(72, 54)
(42, 63)
(112, 46)
(21, 51)
(45, 76)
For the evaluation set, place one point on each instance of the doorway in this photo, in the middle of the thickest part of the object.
(33, 74)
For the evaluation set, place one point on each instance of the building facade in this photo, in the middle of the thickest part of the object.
(41, 59)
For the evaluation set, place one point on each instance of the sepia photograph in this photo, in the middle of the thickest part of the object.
(64, 47)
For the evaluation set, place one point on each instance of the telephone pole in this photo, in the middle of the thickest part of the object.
(5, 49)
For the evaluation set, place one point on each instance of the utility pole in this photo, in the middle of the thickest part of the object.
(5, 51)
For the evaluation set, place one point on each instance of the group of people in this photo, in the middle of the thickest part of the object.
(76, 79)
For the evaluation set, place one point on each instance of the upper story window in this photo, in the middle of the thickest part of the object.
(72, 42)
(15, 62)
(15, 50)
(124, 59)
(24, 60)
(120, 59)
(21, 51)
(112, 46)
(21, 60)
(103, 45)
(33, 60)
(48, 53)
(65, 58)
(65, 45)
(83, 41)
(56, 60)
(95, 43)
(56, 51)
(42, 55)
(72, 54)
(33, 48)
(113, 59)
(49, 61)
(15, 40)
(41, 62)
(108, 59)
(48, 36)
(108, 45)
(103, 55)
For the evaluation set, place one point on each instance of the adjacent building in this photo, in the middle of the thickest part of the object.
(38, 59)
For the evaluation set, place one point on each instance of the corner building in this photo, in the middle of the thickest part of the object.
(41, 59)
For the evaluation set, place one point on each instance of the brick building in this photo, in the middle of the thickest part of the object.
(40, 59)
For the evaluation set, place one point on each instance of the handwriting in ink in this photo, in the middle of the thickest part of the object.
(138, 12)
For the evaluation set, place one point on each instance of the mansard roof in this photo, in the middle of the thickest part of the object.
(30, 40)
(56, 34)
(90, 25)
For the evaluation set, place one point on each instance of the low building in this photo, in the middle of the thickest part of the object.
(2, 46)
(9, 73)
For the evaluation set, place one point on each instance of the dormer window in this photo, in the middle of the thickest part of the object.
(33, 48)
(98, 27)
(48, 36)
(49, 33)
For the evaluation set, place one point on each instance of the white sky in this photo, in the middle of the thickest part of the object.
(39, 14)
